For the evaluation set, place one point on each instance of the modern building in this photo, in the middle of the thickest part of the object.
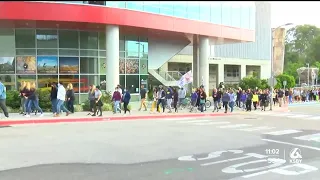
(129, 42)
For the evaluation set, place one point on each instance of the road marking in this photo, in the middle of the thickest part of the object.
(312, 137)
(281, 115)
(299, 116)
(210, 123)
(314, 118)
(235, 126)
(292, 144)
(257, 128)
(194, 121)
(278, 133)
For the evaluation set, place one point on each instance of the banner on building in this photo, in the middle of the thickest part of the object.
(185, 79)
(278, 50)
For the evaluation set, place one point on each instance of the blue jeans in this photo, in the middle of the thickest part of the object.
(60, 106)
(231, 105)
(54, 105)
(116, 106)
(35, 103)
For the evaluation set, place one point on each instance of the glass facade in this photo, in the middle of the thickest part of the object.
(68, 56)
(235, 14)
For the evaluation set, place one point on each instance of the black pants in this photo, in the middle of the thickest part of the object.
(225, 105)
(175, 103)
(255, 105)
(4, 107)
(70, 106)
(97, 106)
(248, 105)
(92, 103)
(238, 102)
(125, 107)
(162, 102)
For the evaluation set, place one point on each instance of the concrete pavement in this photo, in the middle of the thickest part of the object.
(245, 146)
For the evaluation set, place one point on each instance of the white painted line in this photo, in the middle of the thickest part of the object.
(235, 126)
(210, 123)
(223, 161)
(175, 119)
(257, 128)
(314, 118)
(281, 115)
(311, 137)
(192, 121)
(292, 144)
(279, 133)
(299, 116)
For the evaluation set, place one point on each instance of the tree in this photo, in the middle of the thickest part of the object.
(285, 77)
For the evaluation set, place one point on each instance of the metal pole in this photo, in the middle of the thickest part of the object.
(272, 74)
(308, 74)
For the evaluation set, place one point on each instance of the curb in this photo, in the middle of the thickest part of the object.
(97, 119)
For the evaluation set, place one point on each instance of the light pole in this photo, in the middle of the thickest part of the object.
(308, 66)
(142, 48)
(272, 51)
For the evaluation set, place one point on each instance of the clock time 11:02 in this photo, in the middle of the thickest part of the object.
(272, 151)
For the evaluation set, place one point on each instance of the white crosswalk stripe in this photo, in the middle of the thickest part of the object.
(314, 118)
(256, 128)
(210, 123)
(299, 116)
(281, 115)
(233, 126)
(310, 137)
(284, 132)
(195, 121)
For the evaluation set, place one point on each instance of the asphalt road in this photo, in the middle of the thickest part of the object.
(247, 146)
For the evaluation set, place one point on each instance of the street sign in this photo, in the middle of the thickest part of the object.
(284, 83)
(272, 81)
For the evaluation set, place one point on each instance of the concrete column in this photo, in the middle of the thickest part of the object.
(195, 62)
(112, 41)
(243, 71)
(204, 53)
(220, 73)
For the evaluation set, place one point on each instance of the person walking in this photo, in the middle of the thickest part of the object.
(143, 95)
(126, 100)
(3, 97)
(169, 96)
(91, 99)
(33, 100)
(249, 100)
(194, 98)
(53, 97)
(161, 98)
(98, 103)
(233, 100)
(116, 98)
(216, 99)
(182, 96)
(175, 100)
(255, 100)
(225, 101)
(264, 100)
(203, 97)
(61, 96)
(70, 98)
(22, 98)
(154, 102)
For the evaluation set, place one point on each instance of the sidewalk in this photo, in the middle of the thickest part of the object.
(16, 119)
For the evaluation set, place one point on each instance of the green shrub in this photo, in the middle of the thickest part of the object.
(107, 107)
(44, 99)
(13, 99)
(11, 110)
(78, 108)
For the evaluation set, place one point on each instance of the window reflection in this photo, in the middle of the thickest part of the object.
(8, 81)
(28, 78)
(216, 12)
(73, 79)
(226, 14)
(45, 81)
(135, 5)
(87, 80)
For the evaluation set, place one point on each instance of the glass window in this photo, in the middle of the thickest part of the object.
(68, 52)
(25, 52)
(102, 53)
(132, 66)
(122, 67)
(103, 65)
(47, 64)
(204, 12)
(180, 9)
(122, 79)
(103, 82)
(245, 17)
(47, 38)
(9, 81)
(193, 10)
(69, 65)
(68, 39)
(73, 79)
(216, 12)
(29, 78)
(25, 38)
(7, 65)
(135, 5)
(87, 80)
(143, 66)
(45, 81)
(122, 44)
(26, 65)
(132, 83)
(252, 17)
(226, 14)
(102, 41)
(89, 53)
(132, 44)
(88, 40)
(122, 54)
(236, 15)
(116, 4)
(7, 42)
(144, 81)
(89, 65)
(166, 4)
(143, 49)
(168, 12)
(151, 6)
(42, 52)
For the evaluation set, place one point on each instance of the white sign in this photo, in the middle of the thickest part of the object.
(295, 155)
(284, 83)
(272, 81)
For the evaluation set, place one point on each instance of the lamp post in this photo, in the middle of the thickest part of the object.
(272, 61)
(308, 66)
(142, 48)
